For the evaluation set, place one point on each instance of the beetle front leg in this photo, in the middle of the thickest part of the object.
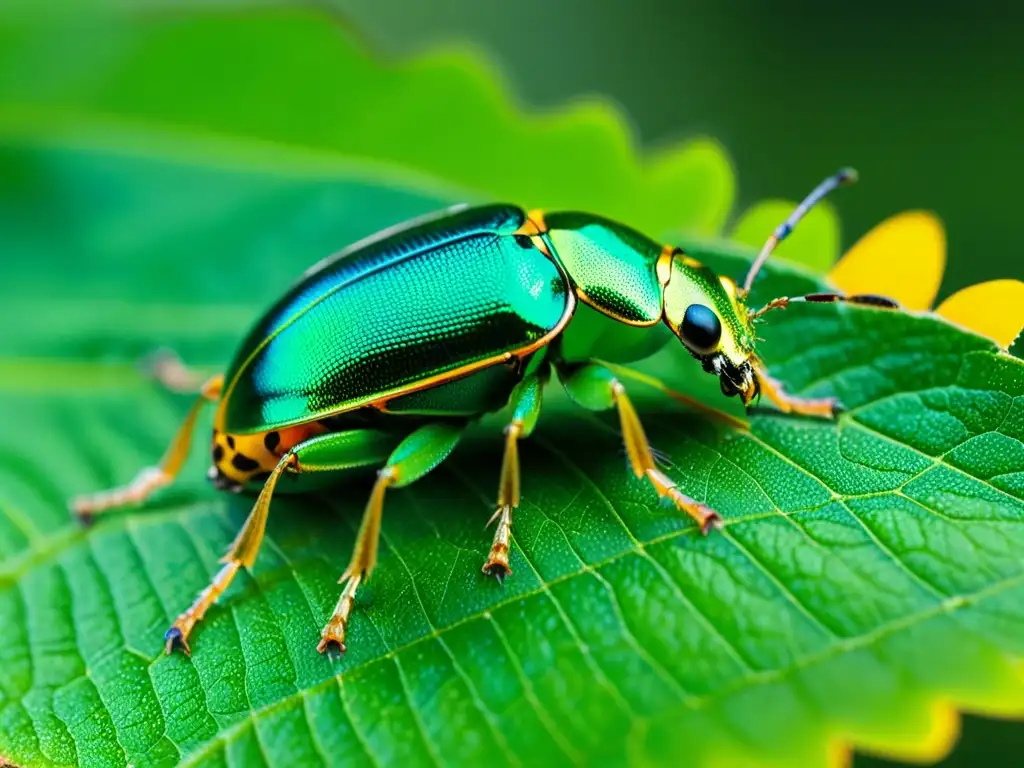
(526, 402)
(771, 388)
(595, 387)
(416, 455)
(151, 478)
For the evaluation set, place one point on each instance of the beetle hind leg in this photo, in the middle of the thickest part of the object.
(364, 560)
(243, 552)
(331, 452)
(416, 455)
(526, 404)
(151, 478)
(497, 564)
(166, 367)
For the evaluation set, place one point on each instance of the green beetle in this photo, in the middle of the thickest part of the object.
(382, 354)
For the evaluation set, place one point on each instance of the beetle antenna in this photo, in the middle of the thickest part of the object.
(841, 178)
(866, 299)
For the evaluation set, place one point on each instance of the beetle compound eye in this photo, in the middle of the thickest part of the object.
(701, 327)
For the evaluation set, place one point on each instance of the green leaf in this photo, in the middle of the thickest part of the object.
(868, 579)
(289, 76)
(814, 244)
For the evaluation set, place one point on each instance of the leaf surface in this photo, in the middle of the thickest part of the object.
(868, 578)
(448, 115)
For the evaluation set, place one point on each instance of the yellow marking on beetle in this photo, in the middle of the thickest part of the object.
(730, 287)
(534, 224)
(733, 292)
(243, 456)
(534, 228)
(663, 269)
(541, 245)
(692, 263)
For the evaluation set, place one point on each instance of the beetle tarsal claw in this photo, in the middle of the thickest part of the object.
(712, 521)
(705, 517)
(174, 638)
(329, 645)
(333, 633)
(497, 560)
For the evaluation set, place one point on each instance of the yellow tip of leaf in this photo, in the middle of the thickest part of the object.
(903, 258)
(994, 309)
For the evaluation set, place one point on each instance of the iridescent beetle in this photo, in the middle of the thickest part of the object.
(382, 354)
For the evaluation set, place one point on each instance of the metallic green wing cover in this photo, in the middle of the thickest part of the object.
(613, 267)
(388, 314)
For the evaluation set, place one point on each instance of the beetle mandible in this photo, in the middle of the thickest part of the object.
(372, 359)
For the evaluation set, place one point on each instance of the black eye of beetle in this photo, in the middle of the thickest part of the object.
(701, 327)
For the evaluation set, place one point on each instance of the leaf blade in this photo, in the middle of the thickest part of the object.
(623, 634)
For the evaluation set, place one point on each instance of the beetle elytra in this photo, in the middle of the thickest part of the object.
(381, 356)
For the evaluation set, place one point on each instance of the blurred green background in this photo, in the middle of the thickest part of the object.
(926, 101)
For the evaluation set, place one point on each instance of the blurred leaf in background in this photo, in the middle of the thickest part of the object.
(165, 177)
(925, 103)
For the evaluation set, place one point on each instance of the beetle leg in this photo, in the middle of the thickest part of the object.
(723, 417)
(331, 452)
(771, 388)
(166, 367)
(595, 387)
(242, 553)
(416, 455)
(151, 478)
(526, 400)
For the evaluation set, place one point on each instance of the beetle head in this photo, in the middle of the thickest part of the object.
(708, 313)
(708, 316)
